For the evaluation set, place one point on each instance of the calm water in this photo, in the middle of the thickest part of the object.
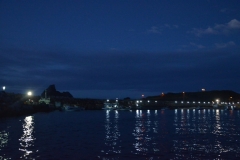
(141, 134)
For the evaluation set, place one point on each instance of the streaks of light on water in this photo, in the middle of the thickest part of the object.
(3, 142)
(137, 134)
(27, 139)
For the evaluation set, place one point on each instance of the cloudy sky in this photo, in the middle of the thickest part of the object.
(119, 48)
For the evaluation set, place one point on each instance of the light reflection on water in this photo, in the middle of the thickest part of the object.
(3, 142)
(27, 139)
(136, 134)
(209, 134)
(112, 143)
(197, 133)
(140, 131)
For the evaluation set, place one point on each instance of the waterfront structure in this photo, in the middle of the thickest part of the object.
(109, 105)
(45, 99)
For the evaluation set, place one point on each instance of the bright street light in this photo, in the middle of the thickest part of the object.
(4, 88)
(29, 93)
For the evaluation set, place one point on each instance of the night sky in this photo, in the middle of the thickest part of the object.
(119, 48)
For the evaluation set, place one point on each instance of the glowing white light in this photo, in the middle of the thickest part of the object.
(4, 88)
(29, 93)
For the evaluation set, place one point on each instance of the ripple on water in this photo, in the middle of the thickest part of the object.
(140, 134)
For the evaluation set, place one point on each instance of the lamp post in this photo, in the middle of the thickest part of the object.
(29, 93)
(183, 96)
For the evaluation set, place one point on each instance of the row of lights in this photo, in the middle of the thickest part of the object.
(193, 102)
(217, 101)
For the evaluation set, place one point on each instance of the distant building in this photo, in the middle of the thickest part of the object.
(45, 99)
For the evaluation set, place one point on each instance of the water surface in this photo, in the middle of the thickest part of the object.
(137, 134)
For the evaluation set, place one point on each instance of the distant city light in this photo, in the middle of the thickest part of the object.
(4, 88)
(29, 93)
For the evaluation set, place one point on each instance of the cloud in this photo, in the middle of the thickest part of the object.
(200, 32)
(158, 30)
(234, 24)
(154, 29)
(224, 45)
(170, 26)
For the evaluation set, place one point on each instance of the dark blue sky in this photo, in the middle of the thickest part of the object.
(109, 49)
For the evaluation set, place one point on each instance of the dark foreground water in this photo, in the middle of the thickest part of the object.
(140, 134)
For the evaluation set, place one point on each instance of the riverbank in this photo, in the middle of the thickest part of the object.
(18, 104)
(19, 109)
